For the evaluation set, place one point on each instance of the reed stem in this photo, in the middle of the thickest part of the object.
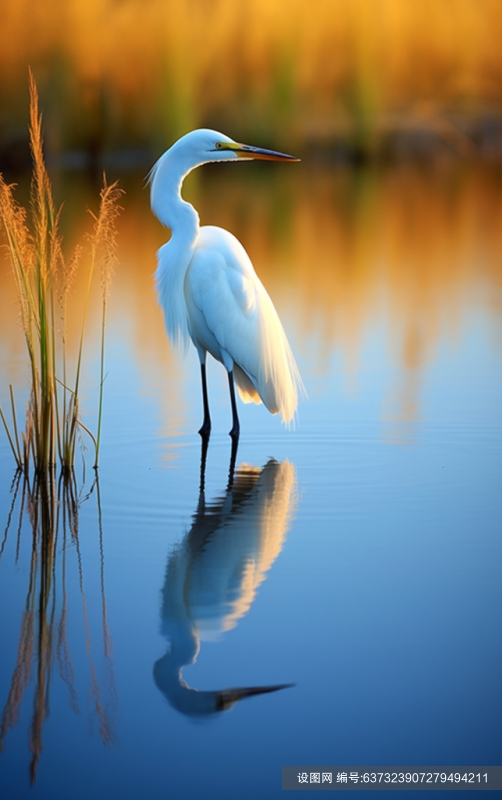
(43, 277)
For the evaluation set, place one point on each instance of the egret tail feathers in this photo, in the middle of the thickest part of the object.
(245, 386)
(279, 383)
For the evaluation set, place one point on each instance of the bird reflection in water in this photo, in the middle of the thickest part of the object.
(212, 576)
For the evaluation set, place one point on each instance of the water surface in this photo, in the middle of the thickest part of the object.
(338, 600)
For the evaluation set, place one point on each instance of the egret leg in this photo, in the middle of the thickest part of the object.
(205, 430)
(234, 433)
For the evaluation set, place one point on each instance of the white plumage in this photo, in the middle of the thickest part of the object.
(209, 290)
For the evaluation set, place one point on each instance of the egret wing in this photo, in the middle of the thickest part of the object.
(234, 319)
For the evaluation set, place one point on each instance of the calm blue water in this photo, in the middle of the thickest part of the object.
(356, 559)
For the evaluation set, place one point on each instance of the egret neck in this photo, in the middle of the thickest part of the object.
(174, 257)
(167, 204)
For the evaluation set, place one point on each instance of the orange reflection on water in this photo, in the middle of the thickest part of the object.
(412, 247)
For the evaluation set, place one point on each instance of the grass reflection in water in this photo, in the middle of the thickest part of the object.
(52, 510)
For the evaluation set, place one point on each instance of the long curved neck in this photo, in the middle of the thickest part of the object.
(166, 201)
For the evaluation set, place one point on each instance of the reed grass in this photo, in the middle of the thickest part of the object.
(44, 278)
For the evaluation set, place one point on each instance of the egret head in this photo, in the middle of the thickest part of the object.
(192, 150)
(207, 145)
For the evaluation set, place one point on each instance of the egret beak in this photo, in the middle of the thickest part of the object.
(246, 151)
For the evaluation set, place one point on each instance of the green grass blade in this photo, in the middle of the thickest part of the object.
(18, 462)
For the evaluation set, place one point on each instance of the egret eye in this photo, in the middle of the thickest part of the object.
(219, 145)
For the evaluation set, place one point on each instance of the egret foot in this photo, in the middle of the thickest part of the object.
(233, 459)
(205, 429)
(203, 459)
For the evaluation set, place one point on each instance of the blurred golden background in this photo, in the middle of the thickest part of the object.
(371, 76)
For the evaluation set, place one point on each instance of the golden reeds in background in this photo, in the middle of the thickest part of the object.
(361, 72)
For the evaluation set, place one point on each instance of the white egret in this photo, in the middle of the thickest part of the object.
(209, 290)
